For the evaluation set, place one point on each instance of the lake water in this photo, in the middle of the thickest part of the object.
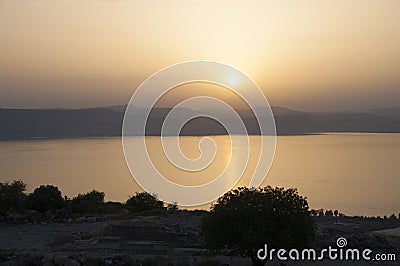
(354, 173)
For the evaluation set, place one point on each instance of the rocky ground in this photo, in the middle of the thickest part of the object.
(172, 239)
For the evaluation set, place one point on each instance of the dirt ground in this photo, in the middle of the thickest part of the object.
(170, 240)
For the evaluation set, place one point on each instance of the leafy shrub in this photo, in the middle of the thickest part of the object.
(12, 196)
(243, 220)
(144, 201)
(91, 202)
(46, 198)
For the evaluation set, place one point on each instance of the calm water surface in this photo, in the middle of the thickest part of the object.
(355, 173)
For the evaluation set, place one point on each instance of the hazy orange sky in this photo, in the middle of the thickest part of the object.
(308, 55)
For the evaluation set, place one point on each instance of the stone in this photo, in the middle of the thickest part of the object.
(72, 262)
(91, 219)
(48, 260)
(60, 259)
(80, 220)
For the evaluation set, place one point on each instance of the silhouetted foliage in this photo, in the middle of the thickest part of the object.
(46, 198)
(244, 220)
(172, 207)
(91, 202)
(314, 212)
(12, 196)
(144, 201)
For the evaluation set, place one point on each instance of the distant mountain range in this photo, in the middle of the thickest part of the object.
(107, 121)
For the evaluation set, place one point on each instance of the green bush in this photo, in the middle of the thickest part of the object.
(4, 255)
(243, 220)
(45, 198)
(89, 261)
(12, 196)
(91, 202)
(144, 201)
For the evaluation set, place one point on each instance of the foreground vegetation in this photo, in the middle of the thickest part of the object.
(46, 203)
(239, 222)
(243, 220)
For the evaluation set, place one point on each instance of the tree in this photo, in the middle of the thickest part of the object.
(328, 213)
(46, 198)
(12, 196)
(91, 202)
(172, 207)
(244, 220)
(144, 201)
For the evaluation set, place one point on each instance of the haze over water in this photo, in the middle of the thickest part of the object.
(354, 173)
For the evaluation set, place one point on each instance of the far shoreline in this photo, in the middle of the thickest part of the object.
(350, 133)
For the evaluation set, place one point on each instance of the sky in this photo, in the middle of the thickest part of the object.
(308, 55)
